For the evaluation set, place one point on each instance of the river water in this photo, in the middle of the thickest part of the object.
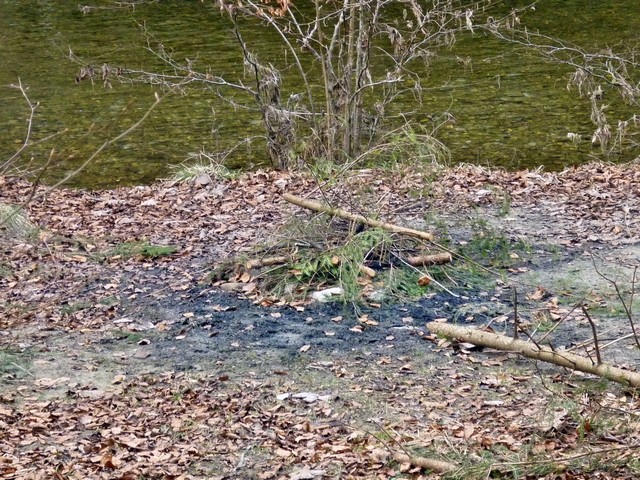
(511, 108)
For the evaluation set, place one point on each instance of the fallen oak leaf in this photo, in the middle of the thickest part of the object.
(367, 321)
(270, 473)
(539, 294)
(281, 452)
(110, 462)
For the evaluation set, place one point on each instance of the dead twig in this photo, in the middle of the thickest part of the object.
(266, 262)
(595, 334)
(627, 306)
(568, 458)
(516, 322)
(559, 322)
(439, 466)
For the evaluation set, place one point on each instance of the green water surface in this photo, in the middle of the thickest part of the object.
(511, 108)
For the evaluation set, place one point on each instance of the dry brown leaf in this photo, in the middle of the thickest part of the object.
(281, 452)
(366, 320)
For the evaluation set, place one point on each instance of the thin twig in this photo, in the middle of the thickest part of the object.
(626, 307)
(568, 458)
(106, 144)
(23, 369)
(595, 334)
(516, 323)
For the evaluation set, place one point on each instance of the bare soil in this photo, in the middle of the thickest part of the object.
(138, 367)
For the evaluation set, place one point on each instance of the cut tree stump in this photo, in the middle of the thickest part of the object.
(338, 212)
(530, 350)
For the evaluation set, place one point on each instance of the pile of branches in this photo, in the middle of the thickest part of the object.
(338, 253)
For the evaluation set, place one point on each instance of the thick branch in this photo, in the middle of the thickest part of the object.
(564, 359)
(338, 212)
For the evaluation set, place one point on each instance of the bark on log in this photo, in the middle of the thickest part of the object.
(562, 358)
(425, 260)
(338, 212)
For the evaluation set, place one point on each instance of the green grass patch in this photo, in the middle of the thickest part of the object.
(402, 284)
(132, 337)
(482, 259)
(136, 249)
(109, 301)
(201, 167)
(14, 223)
(410, 145)
(14, 363)
(5, 271)
(491, 248)
(325, 171)
(465, 274)
(73, 307)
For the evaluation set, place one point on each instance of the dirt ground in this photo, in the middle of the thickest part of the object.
(135, 366)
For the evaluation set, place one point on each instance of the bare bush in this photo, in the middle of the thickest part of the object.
(351, 60)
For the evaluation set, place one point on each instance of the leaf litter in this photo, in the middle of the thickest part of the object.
(131, 366)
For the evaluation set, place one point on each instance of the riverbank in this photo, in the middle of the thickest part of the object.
(106, 310)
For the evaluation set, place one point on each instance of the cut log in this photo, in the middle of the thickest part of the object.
(338, 212)
(426, 260)
(530, 350)
(266, 262)
(368, 271)
(438, 466)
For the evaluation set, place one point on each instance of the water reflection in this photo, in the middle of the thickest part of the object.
(510, 108)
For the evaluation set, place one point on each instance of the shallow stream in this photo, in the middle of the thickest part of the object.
(511, 109)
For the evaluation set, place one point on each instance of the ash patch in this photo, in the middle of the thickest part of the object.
(218, 327)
